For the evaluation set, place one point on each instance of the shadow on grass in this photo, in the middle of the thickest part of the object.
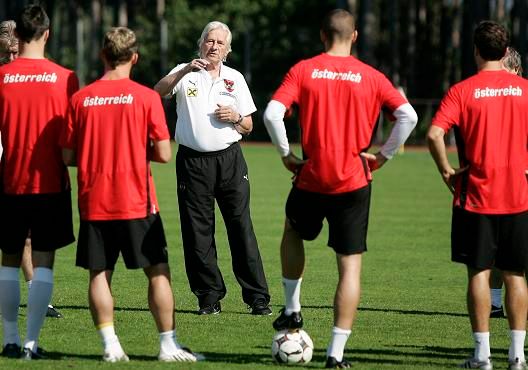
(244, 312)
(238, 358)
(448, 351)
(413, 355)
(391, 310)
(85, 307)
(276, 310)
(402, 355)
(250, 358)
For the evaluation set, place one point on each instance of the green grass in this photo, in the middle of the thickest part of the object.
(412, 313)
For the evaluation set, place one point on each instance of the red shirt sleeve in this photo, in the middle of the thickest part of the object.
(448, 114)
(73, 84)
(288, 92)
(157, 125)
(68, 136)
(390, 97)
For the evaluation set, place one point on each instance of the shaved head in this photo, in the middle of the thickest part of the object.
(338, 25)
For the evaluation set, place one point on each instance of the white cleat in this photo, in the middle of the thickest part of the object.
(180, 355)
(472, 363)
(199, 356)
(115, 357)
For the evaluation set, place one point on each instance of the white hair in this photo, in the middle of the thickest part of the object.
(213, 26)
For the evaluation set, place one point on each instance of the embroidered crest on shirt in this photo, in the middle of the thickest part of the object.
(229, 85)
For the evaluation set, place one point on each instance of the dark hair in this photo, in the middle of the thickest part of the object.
(119, 45)
(31, 23)
(491, 40)
(338, 24)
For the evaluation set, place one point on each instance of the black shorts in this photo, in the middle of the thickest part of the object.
(141, 242)
(47, 216)
(482, 241)
(347, 215)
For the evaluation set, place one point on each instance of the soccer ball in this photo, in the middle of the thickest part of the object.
(292, 347)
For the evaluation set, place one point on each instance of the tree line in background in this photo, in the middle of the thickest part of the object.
(423, 46)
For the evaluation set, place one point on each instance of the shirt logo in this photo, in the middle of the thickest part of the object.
(21, 78)
(229, 85)
(329, 75)
(491, 93)
(91, 101)
(192, 92)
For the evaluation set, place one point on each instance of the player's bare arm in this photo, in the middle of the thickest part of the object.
(160, 151)
(165, 86)
(435, 140)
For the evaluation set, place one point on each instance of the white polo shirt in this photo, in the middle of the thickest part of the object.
(197, 96)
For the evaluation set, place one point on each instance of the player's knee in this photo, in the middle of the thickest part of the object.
(158, 270)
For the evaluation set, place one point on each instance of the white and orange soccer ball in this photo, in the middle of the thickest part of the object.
(292, 347)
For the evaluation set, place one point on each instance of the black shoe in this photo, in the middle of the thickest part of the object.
(11, 350)
(496, 312)
(28, 354)
(260, 307)
(294, 321)
(332, 363)
(211, 309)
(52, 312)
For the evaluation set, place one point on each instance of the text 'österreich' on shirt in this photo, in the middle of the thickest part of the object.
(331, 75)
(491, 92)
(10, 78)
(91, 101)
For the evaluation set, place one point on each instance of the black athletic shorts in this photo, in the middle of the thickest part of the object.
(347, 215)
(47, 216)
(482, 241)
(141, 242)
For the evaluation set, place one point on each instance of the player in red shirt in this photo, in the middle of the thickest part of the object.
(339, 101)
(8, 53)
(490, 207)
(115, 127)
(512, 62)
(35, 188)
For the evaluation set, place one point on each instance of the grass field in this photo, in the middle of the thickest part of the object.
(412, 313)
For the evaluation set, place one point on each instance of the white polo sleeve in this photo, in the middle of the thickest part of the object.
(174, 70)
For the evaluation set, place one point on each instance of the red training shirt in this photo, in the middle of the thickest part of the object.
(339, 102)
(110, 126)
(490, 115)
(34, 96)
